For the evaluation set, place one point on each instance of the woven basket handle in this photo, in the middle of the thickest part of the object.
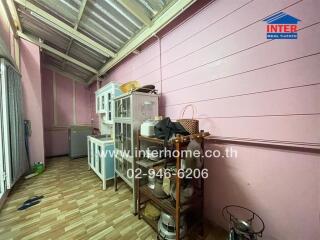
(185, 108)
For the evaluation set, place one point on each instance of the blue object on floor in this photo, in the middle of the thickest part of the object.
(34, 198)
(30, 202)
(28, 205)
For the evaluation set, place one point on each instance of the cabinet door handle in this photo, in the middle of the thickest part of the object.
(120, 136)
(120, 109)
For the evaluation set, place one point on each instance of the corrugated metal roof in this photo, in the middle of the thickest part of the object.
(64, 10)
(65, 66)
(55, 61)
(86, 55)
(107, 22)
(36, 27)
(77, 71)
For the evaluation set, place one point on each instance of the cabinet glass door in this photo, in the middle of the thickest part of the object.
(118, 139)
(119, 165)
(109, 107)
(126, 107)
(102, 101)
(98, 104)
(126, 130)
(99, 158)
(118, 108)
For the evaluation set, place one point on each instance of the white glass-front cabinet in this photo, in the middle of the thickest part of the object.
(105, 103)
(103, 165)
(130, 111)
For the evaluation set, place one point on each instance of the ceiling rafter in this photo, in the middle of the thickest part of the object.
(15, 16)
(34, 40)
(66, 29)
(82, 7)
(81, 10)
(136, 10)
(169, 13)
(10, 18)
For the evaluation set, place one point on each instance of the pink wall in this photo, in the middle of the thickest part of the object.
(67, 91)
(64, 103)
(83, 104)
(247, 88)
(32, 98)
(94, 116)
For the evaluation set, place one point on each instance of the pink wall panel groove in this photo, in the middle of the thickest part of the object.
(279, 185)
(291, 101)
(221, 67)
(250, 82)
(247, 87)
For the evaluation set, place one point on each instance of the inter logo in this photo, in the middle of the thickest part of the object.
(282, 26)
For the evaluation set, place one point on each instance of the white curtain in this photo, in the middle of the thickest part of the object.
(16, 161)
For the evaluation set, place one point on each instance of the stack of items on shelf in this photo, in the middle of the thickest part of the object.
(169, 183)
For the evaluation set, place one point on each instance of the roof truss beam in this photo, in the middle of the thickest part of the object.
(136, 10)
(82, 7)
(15, 16)
(66, 29)
(10, 18)
(54, 51)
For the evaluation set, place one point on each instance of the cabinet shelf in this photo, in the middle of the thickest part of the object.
(150, 222)
(146, 163)
(178, 139)
(192, 230)
(173, 207)
(164, 204)
(152, 140)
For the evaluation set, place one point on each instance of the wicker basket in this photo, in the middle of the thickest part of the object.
(190, 124)
(151, 211)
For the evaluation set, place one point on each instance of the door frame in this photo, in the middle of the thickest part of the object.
(2, 151)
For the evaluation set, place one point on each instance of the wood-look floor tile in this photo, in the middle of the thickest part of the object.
(74, 207)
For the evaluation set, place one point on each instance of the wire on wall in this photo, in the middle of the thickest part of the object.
(160, 61)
